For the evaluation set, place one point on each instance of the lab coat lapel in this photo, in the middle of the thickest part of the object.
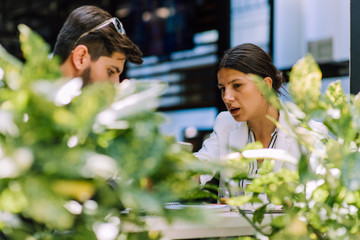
(283, 140)
(238, 137)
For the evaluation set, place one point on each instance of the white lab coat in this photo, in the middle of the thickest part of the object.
(229, 134)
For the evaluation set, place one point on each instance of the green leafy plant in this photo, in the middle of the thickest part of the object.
(321, 200)
(77, 162)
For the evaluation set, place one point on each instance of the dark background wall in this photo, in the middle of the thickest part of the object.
(160, 36)
(155, 35)
(174, 33)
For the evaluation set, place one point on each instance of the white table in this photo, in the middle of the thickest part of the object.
(225, 224)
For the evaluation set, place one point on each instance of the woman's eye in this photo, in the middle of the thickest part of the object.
(111, 72)
(222, 89)
(237, 85)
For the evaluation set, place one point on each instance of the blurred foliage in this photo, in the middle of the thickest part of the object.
(87, 162)
(83, 162)
(321, 200)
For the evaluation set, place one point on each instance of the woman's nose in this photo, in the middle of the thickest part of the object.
(228, 96)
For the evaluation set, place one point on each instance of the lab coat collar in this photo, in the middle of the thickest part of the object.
(238, 137)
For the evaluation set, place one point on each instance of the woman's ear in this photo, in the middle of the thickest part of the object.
(81, 57)
(268, 81)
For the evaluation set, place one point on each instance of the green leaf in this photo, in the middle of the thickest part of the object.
(338, 111)
(11, 67)
(268, 92)
(252, 146)
(39, 64)
(13, 199)
(303, 168)
(7, 60)
(335, 95)
(305, 83)
(9, 63)
(44, 206)
(350, 171)
(259, 214)
(355, 111)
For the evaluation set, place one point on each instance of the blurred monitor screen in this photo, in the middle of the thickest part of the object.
(159, 27)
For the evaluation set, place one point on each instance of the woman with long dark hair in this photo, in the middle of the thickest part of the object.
(246, 120)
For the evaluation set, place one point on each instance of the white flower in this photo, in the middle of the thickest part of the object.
(335, 172)
(334, 113)
(311, 186)
(101, 165)
(129, 102)
(23, 158)
(74, 207)
(106, 231)
(8, 168)
(73, 141)
(10, 219)
(60, 92)
(294, 109)
(68, 91)
(12, 166)
(7, 125)
(2, 73)
(276, 154)
(233, 156)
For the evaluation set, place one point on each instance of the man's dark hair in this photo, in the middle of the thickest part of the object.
(101, 42)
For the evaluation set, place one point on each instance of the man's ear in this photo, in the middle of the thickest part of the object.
(81, 57)
(268, 81)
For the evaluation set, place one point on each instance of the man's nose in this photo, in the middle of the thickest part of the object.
(116, 78)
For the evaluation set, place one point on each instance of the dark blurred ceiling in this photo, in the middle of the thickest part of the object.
(47, 16)
(44, 16)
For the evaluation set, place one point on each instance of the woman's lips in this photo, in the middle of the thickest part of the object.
(234, 110)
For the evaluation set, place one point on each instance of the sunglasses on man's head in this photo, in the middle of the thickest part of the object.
(115, 21)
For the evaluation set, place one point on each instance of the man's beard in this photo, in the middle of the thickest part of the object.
(86, 76)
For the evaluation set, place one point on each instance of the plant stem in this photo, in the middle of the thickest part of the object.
(257, 229)
(318, 234)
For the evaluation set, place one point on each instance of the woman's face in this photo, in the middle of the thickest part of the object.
(241, 96)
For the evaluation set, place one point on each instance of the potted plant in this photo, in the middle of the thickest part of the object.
(81, 162)
(321, 199)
